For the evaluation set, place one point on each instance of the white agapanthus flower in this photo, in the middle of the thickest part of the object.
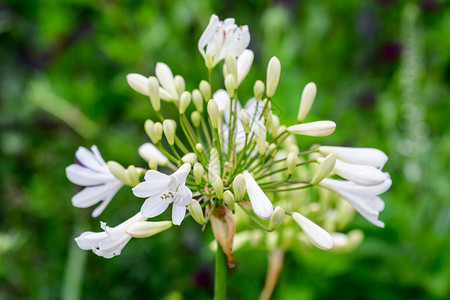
(109, 242)
(221, 38)
(92, 172)
(161, 190)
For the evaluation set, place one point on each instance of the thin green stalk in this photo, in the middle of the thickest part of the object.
(220, 278)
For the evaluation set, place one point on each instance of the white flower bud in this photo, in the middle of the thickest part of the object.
(214, 115)
(153, 91)
(291, 162)
(196, 118)
(261, 135)
(230, 85)
(258, 89)
(196, 212)
(275, 125)
(118, 171)
(199, 147)
(231, 67)
(228, 198)
(244, 63)
(245, 120)
(149, 152)
(138, 83)
(189, 158)
(158, 131)
(316, 234)
(319, 128)
(198, 173)
(153, 164)
(185, 100)
(205, 88)
(217, 185)
(146, 229)
(325, 168)
(148, 126)
(169, 127)
(133, 175)
(277, 218)
(198, 100)
(273, 76)
(307, 100)
(180, 85)
(239, 187)
(165, 78)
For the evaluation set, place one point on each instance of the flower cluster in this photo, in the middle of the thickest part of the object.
(229, 158)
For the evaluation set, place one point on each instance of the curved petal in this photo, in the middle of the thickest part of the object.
(154, 206)
(86, 177)
(87, 158)
(178, 213)
(181, 174)
(165, 77)
(261, 205)
(93, 194)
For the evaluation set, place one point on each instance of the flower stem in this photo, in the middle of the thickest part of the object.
(220, 278)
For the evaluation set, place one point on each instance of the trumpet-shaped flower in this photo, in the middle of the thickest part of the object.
(162, 190)
(363, 198)
(111, 241)
(261, 205)
(221, 38)
(92, 172)
(360, 156)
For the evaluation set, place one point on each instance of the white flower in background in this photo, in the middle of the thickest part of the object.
(111, 241)
(261, 205)
(360, 156)
(149, 151)
(318, 236)
(363, 198)
(161, 190)
(93, 173)
(221, 38)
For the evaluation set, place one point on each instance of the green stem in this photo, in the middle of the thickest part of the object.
(220, 278)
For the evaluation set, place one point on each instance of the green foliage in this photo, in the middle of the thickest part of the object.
(62, 80)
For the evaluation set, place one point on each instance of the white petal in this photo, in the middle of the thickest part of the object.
(165, 77)
(85, 177)
(181, 174)
(89, 240)
(98, 156)
(316, 234)
(208, 33)
(87, 159)
(178, 213)
(319, 128)
(340, 186)
(149, 151)
(138, 83)
(261, 205)
(93, 194)
(360, 174)
(222, 99)
(154, 206)
(361, 156)
(244, 63)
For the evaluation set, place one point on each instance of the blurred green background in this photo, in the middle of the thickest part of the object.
(382, 69)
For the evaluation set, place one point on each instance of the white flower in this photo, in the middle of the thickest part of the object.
(360, 156)
(261, 205)
(221, 38)
(363, 198)
(161, 190)
(93, 173)
(244, 63)
(318, 236)
(149, 151)
(359, 174)
(319, 128)
(111, 241)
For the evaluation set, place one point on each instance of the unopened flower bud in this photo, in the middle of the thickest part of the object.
(153, 91)
(118, 171)
(196, 212)
(245, 120)
(228, 198)
(230, 85)
(205, 88)
(180, 85)
(214, 115)
(185, 100)
(275, 124)
(148, 126)
(231, 67)
(199, 147)
(153, 164)
(157, 132)
(169, 127)
(133, 175)
(146, 229)
(273, 76)
(196, 118)
(258, 89)
(319, 128)
(198, 173)
(316, 234)
(217, 185)
(277, 218)
(307, 100)
(325, 168)
(138, 83)
(261, 135)
(189, 158)
(198, 100)
(291, 162)
(239, 187)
